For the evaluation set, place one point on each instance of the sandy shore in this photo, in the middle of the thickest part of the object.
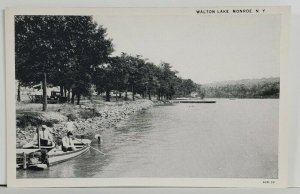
(88, 119)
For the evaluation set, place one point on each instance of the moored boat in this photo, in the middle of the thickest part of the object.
(41, 158)
(56, 156)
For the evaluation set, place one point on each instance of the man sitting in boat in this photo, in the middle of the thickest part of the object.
(45, 135)
(67, 142)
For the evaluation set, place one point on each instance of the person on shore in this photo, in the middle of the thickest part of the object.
(70, 125)
(45, 136)
(99, 138)
(67, 142)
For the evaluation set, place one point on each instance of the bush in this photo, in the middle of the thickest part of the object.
(89, 113)
(71, 117)
(25, 119)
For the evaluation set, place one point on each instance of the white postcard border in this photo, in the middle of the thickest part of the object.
(284, 120)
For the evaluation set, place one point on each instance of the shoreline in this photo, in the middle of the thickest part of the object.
(89, 118)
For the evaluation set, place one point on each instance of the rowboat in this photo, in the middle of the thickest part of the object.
(56, 156)
(40, 158)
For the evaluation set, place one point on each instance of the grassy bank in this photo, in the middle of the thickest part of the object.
(89, 118)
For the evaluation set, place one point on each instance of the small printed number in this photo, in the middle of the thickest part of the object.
(269, 182)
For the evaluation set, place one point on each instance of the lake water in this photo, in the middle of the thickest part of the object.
(228, 139)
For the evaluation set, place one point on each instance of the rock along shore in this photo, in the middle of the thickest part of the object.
(88, 119)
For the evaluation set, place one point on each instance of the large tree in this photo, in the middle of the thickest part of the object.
(89, 49)
(36, 46)
(167, 81)
(104, 79)
(61, 50)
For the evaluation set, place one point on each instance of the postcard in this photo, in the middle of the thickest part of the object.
(147, 97)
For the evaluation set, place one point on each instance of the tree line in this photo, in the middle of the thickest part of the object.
(260, 89)
(74, 53)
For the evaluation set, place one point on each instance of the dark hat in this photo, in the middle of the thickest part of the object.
(69, 133)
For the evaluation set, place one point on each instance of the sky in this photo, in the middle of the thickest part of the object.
(203, 48)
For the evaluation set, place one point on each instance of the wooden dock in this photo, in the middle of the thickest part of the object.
(193, 101)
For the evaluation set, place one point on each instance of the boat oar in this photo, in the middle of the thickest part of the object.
(96, 150)
(91, 147)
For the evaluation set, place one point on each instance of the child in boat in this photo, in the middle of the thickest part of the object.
(67, 142)
(45, 135)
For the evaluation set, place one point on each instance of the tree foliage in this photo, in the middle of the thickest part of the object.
(72, 52)
(264, 88)
(59, 50)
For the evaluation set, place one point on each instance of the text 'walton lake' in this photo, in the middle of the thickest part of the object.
(224, 11)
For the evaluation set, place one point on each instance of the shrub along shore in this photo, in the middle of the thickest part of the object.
(88, 119)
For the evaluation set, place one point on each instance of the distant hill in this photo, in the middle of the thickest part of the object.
(245, 88)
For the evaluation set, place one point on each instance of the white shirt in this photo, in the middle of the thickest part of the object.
(45, 135)
(68, 142)
(70, 126)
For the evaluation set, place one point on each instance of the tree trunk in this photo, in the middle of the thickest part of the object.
(73, 97)
(61, 90)
(78, 99)
(19, 92)
(107, 95)
(45, 92)
(146, 92)
(149, 95)
(116, 95)
(69, 95)
(132, 90)
(126, 95)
